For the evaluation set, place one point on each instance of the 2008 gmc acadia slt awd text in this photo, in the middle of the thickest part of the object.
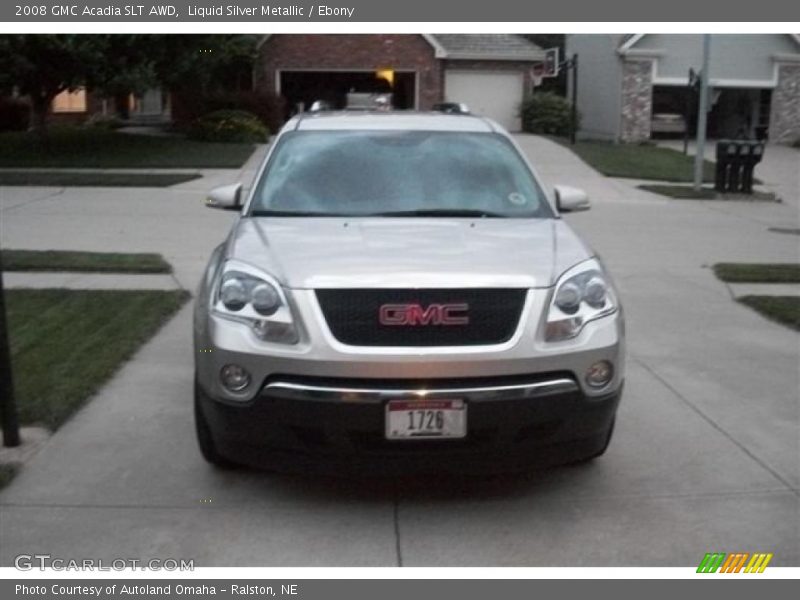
(399, 293)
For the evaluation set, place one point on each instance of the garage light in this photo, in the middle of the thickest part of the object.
(386, 74)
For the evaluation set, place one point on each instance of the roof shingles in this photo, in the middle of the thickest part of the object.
(488, 46)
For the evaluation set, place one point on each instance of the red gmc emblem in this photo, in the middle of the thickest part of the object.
(415, 315)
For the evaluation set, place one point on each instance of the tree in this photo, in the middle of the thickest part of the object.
(128, 67)
(202, 62)
(196, 67)
(42, 66)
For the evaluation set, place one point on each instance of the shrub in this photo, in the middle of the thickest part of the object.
(189, 107)
(547, 113)
(269, 108)
(14, 114)
(229, 126)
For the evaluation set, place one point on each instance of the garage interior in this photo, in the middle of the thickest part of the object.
(306, 87)
(738, 113)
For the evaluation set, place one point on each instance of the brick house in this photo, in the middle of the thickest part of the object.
(490, 73)
(634, 87)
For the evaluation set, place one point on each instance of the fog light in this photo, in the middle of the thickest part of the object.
(599, 374)
(234, 377)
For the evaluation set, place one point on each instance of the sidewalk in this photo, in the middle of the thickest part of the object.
(779, 170)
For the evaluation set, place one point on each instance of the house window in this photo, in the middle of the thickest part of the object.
(70, 102)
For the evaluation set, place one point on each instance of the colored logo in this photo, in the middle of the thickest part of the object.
(737, 562)
(416, 315)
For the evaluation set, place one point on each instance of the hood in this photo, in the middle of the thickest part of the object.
(315, 253)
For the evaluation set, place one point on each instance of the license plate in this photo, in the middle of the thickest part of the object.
(425, 419)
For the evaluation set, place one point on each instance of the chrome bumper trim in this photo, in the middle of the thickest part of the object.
(298, 391)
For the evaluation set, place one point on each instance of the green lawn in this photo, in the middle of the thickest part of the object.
(782, 309)
(66, 343)
(758, 272)
(55, 179)
(639, 161)
(687, 192)
(7, 472)
(94, 262)
(97, 148)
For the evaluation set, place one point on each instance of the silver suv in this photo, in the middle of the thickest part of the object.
(399, 292)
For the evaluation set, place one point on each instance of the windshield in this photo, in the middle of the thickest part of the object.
(397, 173)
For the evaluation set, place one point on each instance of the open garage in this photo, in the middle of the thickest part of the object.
(333, 87)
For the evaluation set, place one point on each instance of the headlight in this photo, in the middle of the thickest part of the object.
(249, 296)
(582, 294)
(233, 292)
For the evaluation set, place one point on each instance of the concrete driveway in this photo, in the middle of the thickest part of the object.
(705, 456)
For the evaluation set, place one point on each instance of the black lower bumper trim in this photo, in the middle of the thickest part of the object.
(323, 436)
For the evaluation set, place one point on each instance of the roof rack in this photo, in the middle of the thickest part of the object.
(452, 108)
(320, 106)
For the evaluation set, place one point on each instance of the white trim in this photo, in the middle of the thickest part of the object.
(722, 83)
(719, 83)
(627, 46)
(784, 57)
(631, 42)
(438, 50)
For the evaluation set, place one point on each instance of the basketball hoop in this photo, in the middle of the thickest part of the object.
(551, 63)
(537, 73)
(547, 68)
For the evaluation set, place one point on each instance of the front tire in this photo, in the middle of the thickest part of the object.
(204, 439)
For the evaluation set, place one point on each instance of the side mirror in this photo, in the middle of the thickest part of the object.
(226, 197)
(570, 199)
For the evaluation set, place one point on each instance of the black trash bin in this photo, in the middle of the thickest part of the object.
(750, 158)
(736, 161)
(726, 171)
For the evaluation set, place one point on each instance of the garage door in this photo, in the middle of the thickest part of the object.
(489, 93)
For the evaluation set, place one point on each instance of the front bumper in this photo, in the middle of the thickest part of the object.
(334, 425)
(295, 425)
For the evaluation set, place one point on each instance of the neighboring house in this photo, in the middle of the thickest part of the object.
(491, 73)
(631, 87)
(79, 105)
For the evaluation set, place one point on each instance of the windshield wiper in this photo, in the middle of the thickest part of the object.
(440, 212)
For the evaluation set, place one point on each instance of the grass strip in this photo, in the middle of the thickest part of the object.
(90, 262)
(65, 344)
